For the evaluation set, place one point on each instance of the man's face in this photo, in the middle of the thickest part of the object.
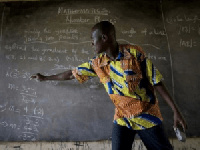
(97, 41)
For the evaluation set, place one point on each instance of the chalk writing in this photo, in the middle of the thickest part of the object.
(3, 107)
(34, 58)
(188, 29)
(6, 107)
(156, 47)
(47, 30)
(14, 109)
(28, 91)
(145, 31)
(62, 67)
(15, 46)
(16, 74)
(130, 32)
(28, 94)
(187, 43)
(30, 128)
(183, 18)
(28, 98)
(38, 111)
(27, 136)
(96, 15)
(11, 57)
(71, 20)
(84, 52)
(32, 122)
(51, 35)
(97, 19)
(92, 11)
(154, 57)
(49, 38)
(32, 38)
(68, 37)
(33, 32)
(32, 114)
(66, 31)
(153, 32)
(5, 124)
(74, 58)
(54, 50)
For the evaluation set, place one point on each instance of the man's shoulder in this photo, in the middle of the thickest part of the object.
(134, 50)
(130, 47)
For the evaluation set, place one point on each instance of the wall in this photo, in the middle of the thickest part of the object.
(190, 144)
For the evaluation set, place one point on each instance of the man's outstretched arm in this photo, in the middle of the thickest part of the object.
(178, 118)
(67, 75)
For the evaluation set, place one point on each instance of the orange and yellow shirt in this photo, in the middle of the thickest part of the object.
(129, 81)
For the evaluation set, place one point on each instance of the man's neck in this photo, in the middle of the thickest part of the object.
(113, 51)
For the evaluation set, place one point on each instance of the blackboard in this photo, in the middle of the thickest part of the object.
(53, 36)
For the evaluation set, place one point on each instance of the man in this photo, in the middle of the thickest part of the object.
(130, 80)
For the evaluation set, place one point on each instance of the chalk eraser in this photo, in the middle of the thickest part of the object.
(180, 134)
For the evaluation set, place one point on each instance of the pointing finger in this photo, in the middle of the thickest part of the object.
(33, 76)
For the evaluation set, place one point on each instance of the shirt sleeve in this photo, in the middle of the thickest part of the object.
(152, 73)
(84, 71)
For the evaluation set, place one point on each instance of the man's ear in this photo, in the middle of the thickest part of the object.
(104, 37)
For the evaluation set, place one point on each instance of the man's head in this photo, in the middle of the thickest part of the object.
(103, 36)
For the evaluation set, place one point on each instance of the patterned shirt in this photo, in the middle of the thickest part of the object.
(129, 81)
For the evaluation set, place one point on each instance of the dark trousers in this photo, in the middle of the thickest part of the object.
(153, 138)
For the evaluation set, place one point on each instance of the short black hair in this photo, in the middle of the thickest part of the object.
(105, 27)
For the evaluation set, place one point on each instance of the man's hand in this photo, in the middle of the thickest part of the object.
(38, 77)
(179, 120)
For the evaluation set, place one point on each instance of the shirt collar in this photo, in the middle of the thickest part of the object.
(105, 60)
(123, 54)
